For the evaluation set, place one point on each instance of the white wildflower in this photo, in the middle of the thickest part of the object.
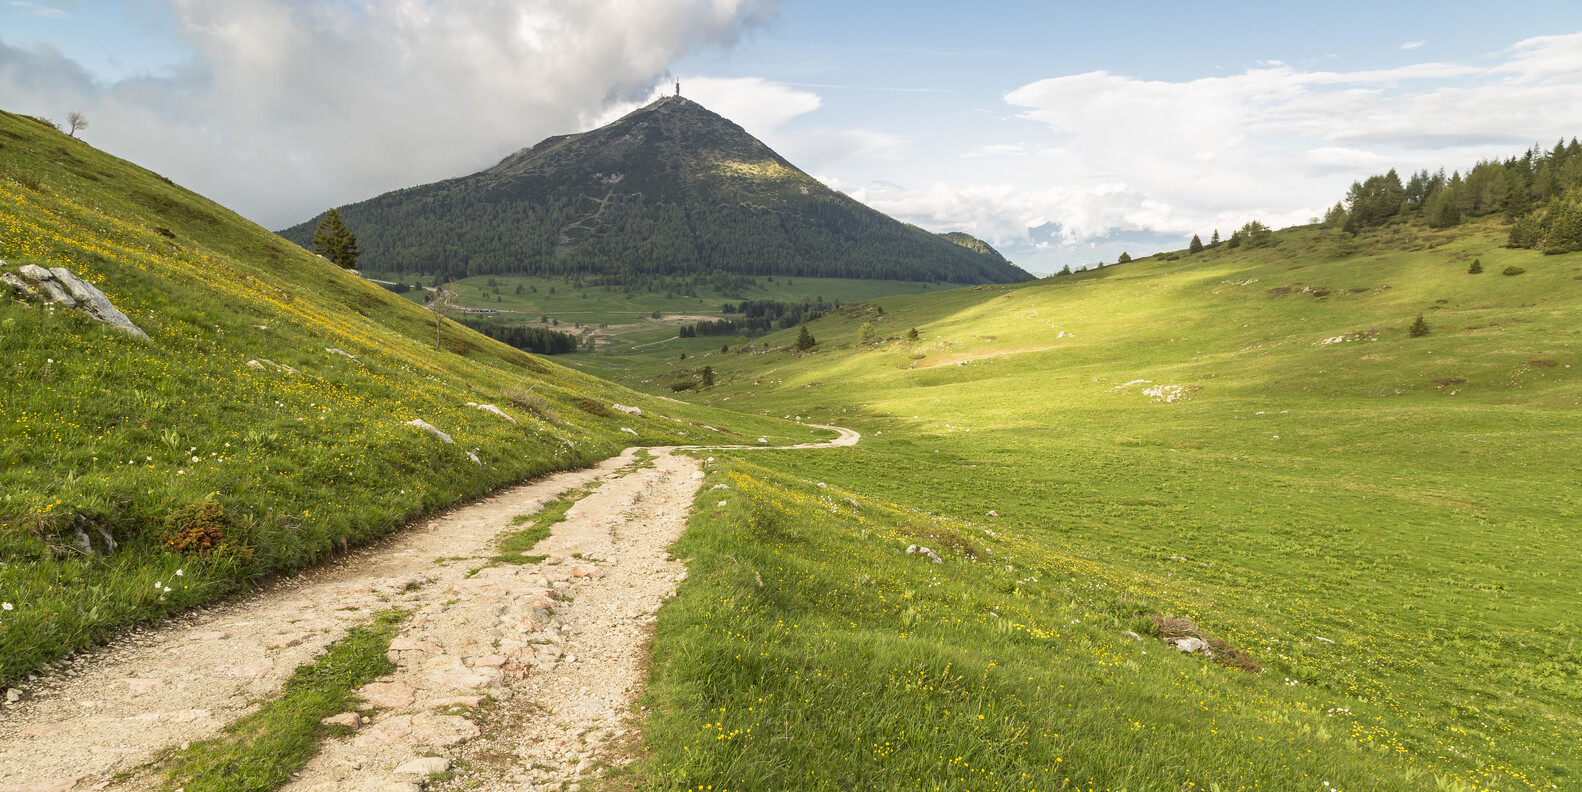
(5, 606)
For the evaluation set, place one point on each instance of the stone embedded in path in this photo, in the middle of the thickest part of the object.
(144, 685)
(490, 661)
(421, 729)
(389, 695)
(412, 645)
(454, 701)
(350, 720)
(254, 669)
(42, 730)
(464, 679)
(423, 766)
(54, 785)
(290, 640)
(179, 716)
(212, 635)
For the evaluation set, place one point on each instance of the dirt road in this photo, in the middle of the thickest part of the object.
(535, 666)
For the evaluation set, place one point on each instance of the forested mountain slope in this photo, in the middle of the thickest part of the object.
(670, 189)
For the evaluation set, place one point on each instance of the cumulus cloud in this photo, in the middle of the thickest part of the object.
(765, 109)
(1411, 45)
(759, 106)
(1275, 142)
(288, 106)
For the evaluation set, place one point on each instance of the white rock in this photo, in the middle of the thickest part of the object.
(628, 410)
(1191, 645)
(427, 765)
(993, 513)
(428, 427)
(489, 408)
(95, 304)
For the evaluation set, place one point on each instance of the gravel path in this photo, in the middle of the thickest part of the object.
(526, 672)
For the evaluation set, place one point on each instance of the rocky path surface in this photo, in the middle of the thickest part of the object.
(516, 676)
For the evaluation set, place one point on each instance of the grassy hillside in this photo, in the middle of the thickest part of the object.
(1249, 438)
(263, 423)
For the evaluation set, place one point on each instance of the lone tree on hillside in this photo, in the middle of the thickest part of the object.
(76, 120)
(334, 241)
(1125, 258)
(911, 335)
(805, 340)
(1419, 327)
(708, 376)
(867, 333)
(1477, 267)
(1196, 246)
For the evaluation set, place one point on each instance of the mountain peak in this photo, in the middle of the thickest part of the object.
(671, 187)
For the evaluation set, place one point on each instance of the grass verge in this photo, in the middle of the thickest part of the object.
(259, 752)
(513, 546)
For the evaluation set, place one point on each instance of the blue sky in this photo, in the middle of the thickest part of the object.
(1099, 126)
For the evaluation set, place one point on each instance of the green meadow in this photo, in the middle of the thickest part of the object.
(630, 309)
(1384, 525)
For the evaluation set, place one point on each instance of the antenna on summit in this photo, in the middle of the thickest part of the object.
(678, 87)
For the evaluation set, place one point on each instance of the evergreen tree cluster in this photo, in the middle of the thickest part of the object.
(1531, 190)
(334, 241)
(538, 340)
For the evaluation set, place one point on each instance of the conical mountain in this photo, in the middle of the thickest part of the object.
(669, 189)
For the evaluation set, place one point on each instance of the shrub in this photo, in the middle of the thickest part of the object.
(1477, 267)
(198, 528)
(1419, 327)
(592, 407)
(1513, 271)
(911, 335)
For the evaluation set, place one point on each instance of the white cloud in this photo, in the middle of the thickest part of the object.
(759, 106)
(1411, 45)
(1274, 143)
(765, 109)
(292, 105)
(38, 9)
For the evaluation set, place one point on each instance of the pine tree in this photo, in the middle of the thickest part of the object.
(1477, 267)
(334, 241)
(1125, 257)
(911, 335)
(805, 340)
(1196, 246)
(708, 376)
(866, 333)
(1419, 327)
(1214, 240)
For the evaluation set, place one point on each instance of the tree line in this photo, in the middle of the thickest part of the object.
(1540, 193)
(538, 340)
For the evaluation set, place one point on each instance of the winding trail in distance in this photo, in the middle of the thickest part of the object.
(560, 647)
